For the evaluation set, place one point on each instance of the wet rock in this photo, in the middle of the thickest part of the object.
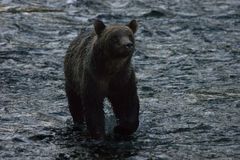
(40, 137)
(16, 139)
(237, 104)
(158, 13)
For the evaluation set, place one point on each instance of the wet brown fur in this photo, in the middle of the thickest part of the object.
(94, 70)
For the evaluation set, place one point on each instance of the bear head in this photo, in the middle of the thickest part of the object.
(116, 41)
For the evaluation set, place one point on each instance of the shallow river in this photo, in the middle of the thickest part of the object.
(188, 68)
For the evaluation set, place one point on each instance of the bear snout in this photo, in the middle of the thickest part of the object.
(128, 45)
(125, 52)
(127, 48)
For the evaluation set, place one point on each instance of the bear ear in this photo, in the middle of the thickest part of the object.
(99, 26)
(133, 25)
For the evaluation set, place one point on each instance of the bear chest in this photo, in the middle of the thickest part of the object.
(103, 86)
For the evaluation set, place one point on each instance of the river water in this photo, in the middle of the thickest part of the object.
(188, 68)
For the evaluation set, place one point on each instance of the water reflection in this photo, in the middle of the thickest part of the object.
(75, 143)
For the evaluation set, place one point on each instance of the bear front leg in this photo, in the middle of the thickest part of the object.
(94, 114)
(125, 105)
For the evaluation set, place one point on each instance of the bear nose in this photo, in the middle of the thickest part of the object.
(129, 45)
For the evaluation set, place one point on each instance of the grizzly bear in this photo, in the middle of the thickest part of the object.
(97, 66)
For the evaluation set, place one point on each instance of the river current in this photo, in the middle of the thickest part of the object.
(187, 64)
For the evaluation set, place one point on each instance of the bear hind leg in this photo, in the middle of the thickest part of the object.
(75, 106)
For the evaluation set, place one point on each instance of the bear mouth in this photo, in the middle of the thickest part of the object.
(122, 55)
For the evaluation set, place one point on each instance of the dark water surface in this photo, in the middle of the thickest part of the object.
(187, 64)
